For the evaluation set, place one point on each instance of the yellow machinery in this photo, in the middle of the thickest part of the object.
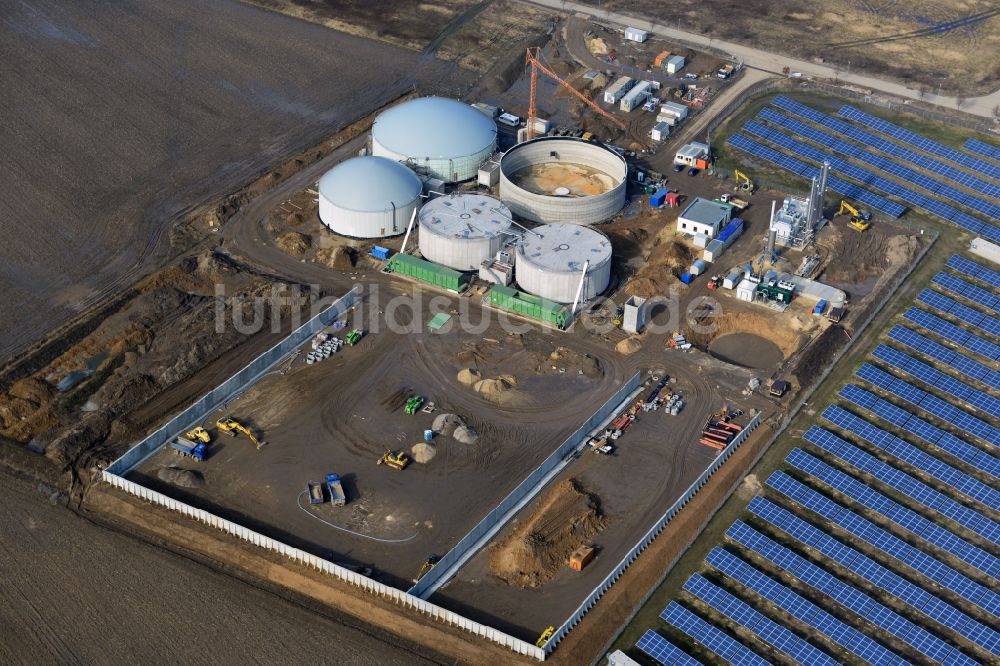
(544, 638)
(234, 428)
(860, 219)
(394, 459)
(425, 567)
(743, 181)
(198, 434)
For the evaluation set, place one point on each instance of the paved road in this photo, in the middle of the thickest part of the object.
(773, 62)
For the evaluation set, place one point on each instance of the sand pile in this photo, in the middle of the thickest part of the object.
(294, 243)
(469, 376)
(423, 452)
(466, 434)
(500, 390)
(538, 548)
(184, 478)
(573, 362)
(453, 425)
(668, 259)
(628, 346)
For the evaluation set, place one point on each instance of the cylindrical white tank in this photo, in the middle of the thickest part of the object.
(550, 262)
(368, 197)
(563, 180)
(462, 230)
(439, 137)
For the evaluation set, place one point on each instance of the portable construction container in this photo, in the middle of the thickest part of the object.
(380, 252)
(670, 120)
(661, 58)
(618, 89)
(660, 131)
(731, 231)
(820, 307)
(428, 272)
(535, 307)
(746, 290)
(731, 280)
(636, 97)
(714, 250)
(700, 240)
(679, 111)
(657, 198)
(675, 64)
(636, 35)
(687, 278)
(542, 125)
(698, 267)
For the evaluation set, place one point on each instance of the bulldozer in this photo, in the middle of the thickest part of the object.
(394, 459)
(234, 428)
(860, 219)
(743, 182)
(198, 434)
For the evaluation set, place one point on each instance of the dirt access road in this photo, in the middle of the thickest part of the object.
(121, 121)
(75, 592)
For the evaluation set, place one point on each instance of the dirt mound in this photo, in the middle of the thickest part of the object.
(566, 518)
(469, 376)
(628, 346)
(466, 434)
(340, 258)
(183, 478)
(33, 390)
(574, 362)
(668, 259)
(294, 243)
(500, 390)
(749, 488)
(446, 424)
(423, 452)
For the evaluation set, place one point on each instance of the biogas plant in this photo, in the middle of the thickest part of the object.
(516, 222)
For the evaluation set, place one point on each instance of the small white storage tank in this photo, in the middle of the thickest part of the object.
(550, 262)
(439, 137)
(462, 231)
(368, 197)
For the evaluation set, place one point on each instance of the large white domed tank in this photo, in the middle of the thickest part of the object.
(368, 197)
(439, 137)
(550, 262)
(461, 231)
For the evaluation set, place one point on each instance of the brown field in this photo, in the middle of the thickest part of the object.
(883, 37)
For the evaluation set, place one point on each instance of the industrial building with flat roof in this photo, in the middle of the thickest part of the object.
(703, 216)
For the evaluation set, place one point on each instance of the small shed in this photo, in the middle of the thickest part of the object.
(675, 64)
(636, 35)
(660, 131)
(779, 387)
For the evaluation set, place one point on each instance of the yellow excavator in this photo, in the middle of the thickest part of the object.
(234, 428)
(743, 181)
(860, 219)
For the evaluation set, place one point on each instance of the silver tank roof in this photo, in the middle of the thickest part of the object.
(370, 184)
(565, 247)
(435, 127)
(465, 216)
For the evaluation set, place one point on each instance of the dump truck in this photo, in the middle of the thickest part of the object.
(413, 404)
(185, 447)
(234, 428)
(198, 434)
(395, 459)
(336, 488)
(315, 490)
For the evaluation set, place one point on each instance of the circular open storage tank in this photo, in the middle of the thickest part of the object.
(550, 262)
(563, 180)
(436, 136)
(368, 197)
(461, 231)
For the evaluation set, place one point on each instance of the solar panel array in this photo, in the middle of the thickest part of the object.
(711, 637)
(909, 486)
(762, 626)
(803, 610)
(842, 187)
(866, 138)
(847, 596)
(929, 403)
(977, 146)
(973, 269)
(951, 358)
(933, 147)
(918, 427)
(956, 334)
(889, 544)
(971, 316)
(873, 180)
(895, 512)
(663, 651)
(874, 573)
(937, 379)
(887, 164)
(968, 291)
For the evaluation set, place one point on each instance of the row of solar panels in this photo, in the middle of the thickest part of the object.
(977, 146)
(798, 167)
(977, 271)
(922, 429)
(917, 141)
(934, 377)
(970, 316)
(953, 333)
(968, 291)
(875, 574)
(929, 403)
(873, 180)
(866, 138)
(959, 362)
(886, 164)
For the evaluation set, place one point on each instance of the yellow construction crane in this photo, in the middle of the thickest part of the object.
(234, 428)
(743, 181)
(860, 219)
(533, 58)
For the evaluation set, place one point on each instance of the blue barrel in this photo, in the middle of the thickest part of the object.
(428, 435)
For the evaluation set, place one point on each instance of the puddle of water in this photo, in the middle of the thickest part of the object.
(747, 350)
